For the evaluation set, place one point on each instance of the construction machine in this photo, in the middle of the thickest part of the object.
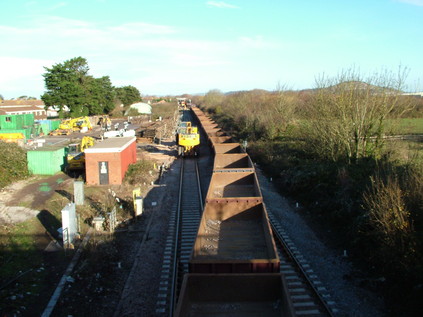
(68, 126)
(13, 137)
(105, 122)
(181, 104)
(188, 139)
(76, 155)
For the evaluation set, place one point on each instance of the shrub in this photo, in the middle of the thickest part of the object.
(13, 163)
(140, 173)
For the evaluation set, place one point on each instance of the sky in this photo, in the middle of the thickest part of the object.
(165, 47)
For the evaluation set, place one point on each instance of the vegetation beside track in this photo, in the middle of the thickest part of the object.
(363, 191)
(13, 163)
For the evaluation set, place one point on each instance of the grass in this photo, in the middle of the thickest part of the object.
(406, 125)
(22, 264)
(18, 247)
(405, 150)
(27, 272)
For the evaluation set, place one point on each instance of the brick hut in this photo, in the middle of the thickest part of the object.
(107, 162)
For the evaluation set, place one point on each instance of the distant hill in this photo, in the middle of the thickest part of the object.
(355, 85)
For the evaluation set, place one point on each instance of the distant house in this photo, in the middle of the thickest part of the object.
(414, 94)
(53, 111)
(11, 107)
(22, 103)
(141, 107)
(39, 114)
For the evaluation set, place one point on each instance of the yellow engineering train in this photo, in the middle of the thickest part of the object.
(188, 140)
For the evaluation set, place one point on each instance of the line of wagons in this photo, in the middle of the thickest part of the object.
(234, 268)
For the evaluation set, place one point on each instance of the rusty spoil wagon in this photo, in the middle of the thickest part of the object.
(234, 268)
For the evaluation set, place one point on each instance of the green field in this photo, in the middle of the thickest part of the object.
(406, 126)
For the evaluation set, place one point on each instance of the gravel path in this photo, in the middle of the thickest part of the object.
(330, 267)
(140, 296)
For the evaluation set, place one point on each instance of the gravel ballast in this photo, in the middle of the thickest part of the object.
(329, 265)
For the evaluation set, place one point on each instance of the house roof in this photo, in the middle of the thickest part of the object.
(21, 103)
(8, 110)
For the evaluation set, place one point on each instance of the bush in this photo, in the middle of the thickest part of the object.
(140, 173)
(164, 110)
(13, 164)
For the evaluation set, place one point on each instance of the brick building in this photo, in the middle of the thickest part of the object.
(107, 162)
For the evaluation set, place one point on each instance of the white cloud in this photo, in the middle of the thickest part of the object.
(222, 5)
(413, 2)
(22, 76)
(157, 59)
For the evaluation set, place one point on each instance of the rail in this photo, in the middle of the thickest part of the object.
(311, 308)
(183, 228)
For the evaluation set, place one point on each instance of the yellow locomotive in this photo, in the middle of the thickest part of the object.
(188, 140)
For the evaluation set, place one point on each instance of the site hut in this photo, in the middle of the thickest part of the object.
(47, 159)
(107, 162)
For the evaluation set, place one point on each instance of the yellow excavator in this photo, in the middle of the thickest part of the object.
(76, 155)
(68, 126)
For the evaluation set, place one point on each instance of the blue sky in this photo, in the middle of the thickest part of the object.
(192, 46)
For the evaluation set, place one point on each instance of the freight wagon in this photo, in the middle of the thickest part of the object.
(236, 162)
(227, 148)
(234, 295)
(234, 237)
(234, 266)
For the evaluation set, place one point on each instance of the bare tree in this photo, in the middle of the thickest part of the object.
(213, 99)
(348, 113)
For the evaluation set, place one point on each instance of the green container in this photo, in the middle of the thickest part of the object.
(35, 129)
(28, 119)
(45, 127)
(47, 161)
(16, 121)
(55, 124)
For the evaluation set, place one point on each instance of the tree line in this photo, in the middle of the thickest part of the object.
(70, 84)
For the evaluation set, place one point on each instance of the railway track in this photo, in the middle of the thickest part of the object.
(308, 296)
(184, 220)
(306, 293)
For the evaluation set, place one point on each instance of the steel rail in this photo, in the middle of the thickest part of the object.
(176, 240)
(200, 192)
(316, 293)
(186, 221)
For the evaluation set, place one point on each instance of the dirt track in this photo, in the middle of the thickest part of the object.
(22, 200)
